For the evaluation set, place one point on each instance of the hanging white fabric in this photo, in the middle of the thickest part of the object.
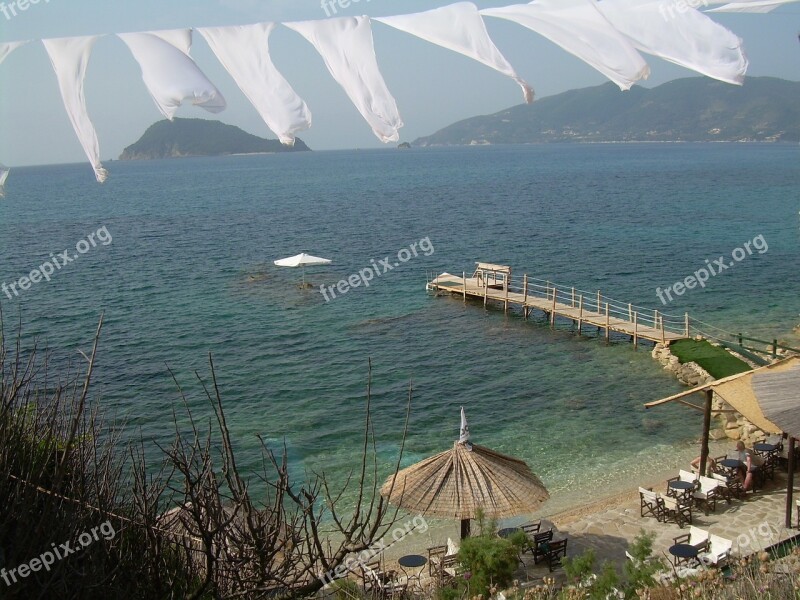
(69, 57)
(752, 6)
(170, 74)
(7, 48)
(687, 38)
(346, 46)
(244, 52)
(582, 30)
(458, 27)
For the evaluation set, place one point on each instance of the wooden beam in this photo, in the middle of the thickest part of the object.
(790, 484)
(706, 430)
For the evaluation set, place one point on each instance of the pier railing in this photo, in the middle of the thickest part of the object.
(597, 303)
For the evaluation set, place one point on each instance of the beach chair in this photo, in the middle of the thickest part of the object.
(706, 496)
(540, 546)
(676, 510)
(696, 537)
(381, 584)
(723, 491)
(649, 504)
(531, 528)
(717, 553)
(451, 570)
(556, 551)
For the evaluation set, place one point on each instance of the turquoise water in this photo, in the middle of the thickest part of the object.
(189, 272)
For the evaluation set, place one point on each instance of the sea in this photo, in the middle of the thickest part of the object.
(177, 255)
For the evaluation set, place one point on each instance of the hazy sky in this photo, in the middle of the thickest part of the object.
(433, 86)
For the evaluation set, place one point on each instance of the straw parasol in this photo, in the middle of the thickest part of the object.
(468, 478)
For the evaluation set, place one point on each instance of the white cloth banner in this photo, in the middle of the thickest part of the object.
(69, 57)
(7, 48)
(346, 46)
(170, 74)
(687, 38)
(753, 6)
(458, 27)
(582, 30)
(244, 52)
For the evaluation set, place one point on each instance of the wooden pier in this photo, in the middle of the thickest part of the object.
(495, 283)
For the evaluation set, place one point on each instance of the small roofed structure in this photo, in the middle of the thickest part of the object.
(492, 276)
(768, 397)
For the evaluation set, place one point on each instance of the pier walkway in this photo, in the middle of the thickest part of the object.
(495, 283)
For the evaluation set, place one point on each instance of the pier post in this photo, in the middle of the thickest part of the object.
(464, 279)
(553, 314)
(580, 313)
(636, 330)
(573, 297)
(485, 292)
(686, 317)
(608, 325)
(663, 333)
(630, 311)
(507, 285)
(525, 287)
(774, 348)
(599, 312)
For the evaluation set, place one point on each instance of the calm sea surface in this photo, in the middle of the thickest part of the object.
(189, 272)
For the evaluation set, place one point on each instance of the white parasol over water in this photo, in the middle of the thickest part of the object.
(302, 260)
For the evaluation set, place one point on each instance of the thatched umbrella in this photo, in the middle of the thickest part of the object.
(468, 478)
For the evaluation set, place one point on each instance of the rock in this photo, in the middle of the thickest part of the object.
(717, 434)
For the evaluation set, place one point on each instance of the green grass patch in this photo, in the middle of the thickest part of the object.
(717, 361)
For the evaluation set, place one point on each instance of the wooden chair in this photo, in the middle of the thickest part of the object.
(708, 492)
(649, 504)
(557, 551)
(675, 510)
(531, 528)
(717, 551)
(696, 537)
(435, 556)
(541, 545)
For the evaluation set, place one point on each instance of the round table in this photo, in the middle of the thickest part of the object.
(683, 552)
(764, 447)
(412, 561)
(680, 488)
(508, 532)
(732, 463)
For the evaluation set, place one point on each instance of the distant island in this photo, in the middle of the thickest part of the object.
(696, 109)
(200, 137)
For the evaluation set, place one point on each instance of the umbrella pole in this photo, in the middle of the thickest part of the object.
(464, 528)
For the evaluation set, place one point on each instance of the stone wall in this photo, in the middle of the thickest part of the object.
(729, 425)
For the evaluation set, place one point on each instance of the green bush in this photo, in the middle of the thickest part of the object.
(639, 571)
(491, 561)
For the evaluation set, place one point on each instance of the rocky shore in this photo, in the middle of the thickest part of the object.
(730, 425)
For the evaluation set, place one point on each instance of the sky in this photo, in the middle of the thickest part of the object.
(434, 87)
